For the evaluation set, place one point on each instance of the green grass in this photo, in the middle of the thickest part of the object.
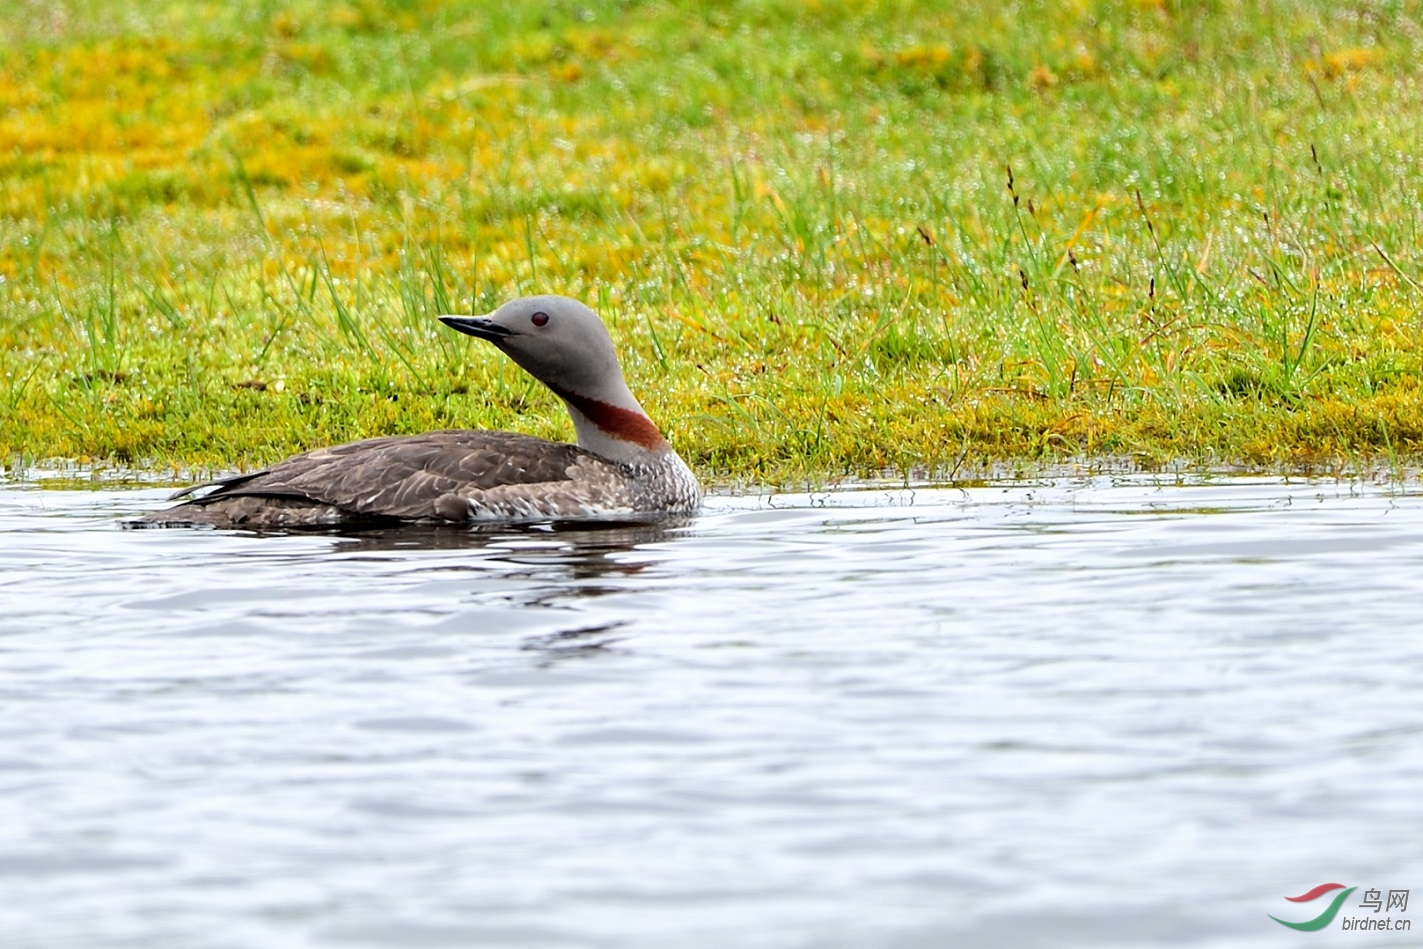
(830, 238)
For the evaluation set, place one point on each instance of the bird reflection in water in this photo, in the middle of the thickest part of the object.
(550, 565)
(584, 545)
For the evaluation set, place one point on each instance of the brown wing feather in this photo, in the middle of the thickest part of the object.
(406, 476)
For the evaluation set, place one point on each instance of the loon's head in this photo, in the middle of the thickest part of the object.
(564, 345)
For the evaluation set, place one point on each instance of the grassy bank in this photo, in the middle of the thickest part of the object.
(830, 237)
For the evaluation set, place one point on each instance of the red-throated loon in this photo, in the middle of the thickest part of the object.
(621, 465)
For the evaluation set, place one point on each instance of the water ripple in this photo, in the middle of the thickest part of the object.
(1095, 712)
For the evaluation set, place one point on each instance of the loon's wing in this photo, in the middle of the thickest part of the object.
(411, 477)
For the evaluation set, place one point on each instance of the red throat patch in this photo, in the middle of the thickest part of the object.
(618, 422)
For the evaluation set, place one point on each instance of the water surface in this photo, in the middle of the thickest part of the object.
(1132, 711)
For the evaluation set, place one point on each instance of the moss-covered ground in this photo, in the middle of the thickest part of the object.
(830, 237)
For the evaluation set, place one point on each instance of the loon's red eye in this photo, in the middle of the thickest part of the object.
(539, 319)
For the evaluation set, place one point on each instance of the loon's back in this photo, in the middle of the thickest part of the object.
(452, 476)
